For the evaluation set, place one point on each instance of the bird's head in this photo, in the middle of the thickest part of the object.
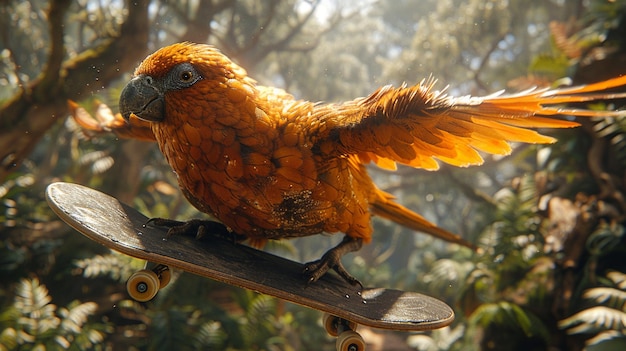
(169, 71)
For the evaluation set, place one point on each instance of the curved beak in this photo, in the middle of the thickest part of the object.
(143, 99)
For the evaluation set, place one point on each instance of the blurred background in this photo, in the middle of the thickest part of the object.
(549, 218)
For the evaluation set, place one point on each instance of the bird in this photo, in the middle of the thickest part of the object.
(269, 166)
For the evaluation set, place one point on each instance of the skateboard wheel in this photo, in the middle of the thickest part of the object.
(164, 274)
(335, 325)
(143, 285)
(330, 324)
(350, 341)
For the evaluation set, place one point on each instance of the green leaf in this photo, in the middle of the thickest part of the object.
(605, 238)
(509, 315)
(33, 301)
(554, 65)
(211, 336)
(618, 278)
(594, 319)
(609, 296)
(76, 315)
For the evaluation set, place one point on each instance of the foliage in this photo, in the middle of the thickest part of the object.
(606, 320)
(509, 315)
(495, 289)
(440, 339)
(184, 316)
(512, 293)
(615, 132)
(33, 323)
(115, 265)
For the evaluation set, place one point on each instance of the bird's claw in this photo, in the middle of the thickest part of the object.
(198, 228)
(316, 269)
(332, 259)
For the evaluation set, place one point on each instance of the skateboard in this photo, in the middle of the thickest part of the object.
(104, 219)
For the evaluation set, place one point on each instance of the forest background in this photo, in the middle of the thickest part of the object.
(550, 218)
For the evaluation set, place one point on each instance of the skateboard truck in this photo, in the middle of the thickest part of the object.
(345, 331)
(143, 285)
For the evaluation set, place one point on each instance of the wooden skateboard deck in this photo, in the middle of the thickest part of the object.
(117, 226)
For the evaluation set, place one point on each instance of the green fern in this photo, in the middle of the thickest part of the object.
(440, 339)
(115, 265)
(553, 65)
(260, 322)
(172, 328)
(210, 336)
(33, 322)
(514, 241)
(98, 161)
(610, 297)
(447, 274)
(618, 278)
(611, 340)
(605, 238)
(37, 313)
(607, 320)
(595, 319)
(510, 316)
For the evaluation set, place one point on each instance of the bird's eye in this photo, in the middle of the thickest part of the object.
(183, 76)
(186, 76)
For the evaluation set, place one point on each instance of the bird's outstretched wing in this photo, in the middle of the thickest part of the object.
(104, 121)
(417, 125)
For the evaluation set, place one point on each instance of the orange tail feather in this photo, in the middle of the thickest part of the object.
(385, 207)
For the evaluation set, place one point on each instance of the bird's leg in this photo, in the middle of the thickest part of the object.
(332, 259)
(196, 227)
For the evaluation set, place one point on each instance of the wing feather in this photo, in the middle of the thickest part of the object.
(418, 125)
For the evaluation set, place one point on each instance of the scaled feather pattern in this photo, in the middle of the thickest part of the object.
(269, 166)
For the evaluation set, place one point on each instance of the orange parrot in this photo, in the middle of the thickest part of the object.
(269, 166)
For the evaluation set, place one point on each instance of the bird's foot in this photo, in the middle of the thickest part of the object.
(198, 228)
(332, 259)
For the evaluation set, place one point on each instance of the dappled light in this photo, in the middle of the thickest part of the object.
(546, 223)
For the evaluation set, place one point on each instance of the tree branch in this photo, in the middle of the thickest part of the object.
(31, 112)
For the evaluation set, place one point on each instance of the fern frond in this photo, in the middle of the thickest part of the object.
(517, 223)
(422, 342)
(210, 336)
(33, 301)
(260, 323)
(76, 315)
(31, 296)
(100, 161)
(439, 339)
(618, 278)
(607, 340)
(39, 324)
(510, 315)
(446, 272)
(8, 339)
(594, 319)
(117, 266)
(90, 336)
(261, 309)
(613, 129)
(95, 336)
(609, 296)
(605, 238)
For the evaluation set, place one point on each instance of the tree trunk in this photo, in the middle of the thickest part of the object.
(26, 117)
